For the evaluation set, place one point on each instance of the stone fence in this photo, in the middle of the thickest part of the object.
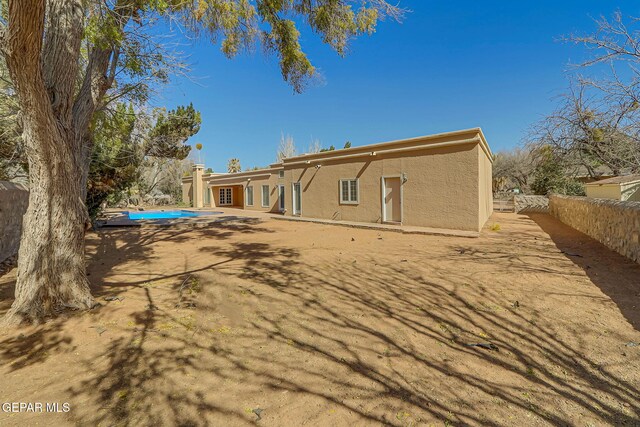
(613, 223)
(14, 199)
(524, 204)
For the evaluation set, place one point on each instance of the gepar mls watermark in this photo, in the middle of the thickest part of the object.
(17, 407)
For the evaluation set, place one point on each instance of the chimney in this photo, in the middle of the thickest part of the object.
(198, 186)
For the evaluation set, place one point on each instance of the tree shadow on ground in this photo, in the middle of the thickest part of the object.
(617, 276)
(305, 333)
(107, 249)
(381, 304)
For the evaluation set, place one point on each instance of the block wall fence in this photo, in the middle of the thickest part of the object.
(613, 223)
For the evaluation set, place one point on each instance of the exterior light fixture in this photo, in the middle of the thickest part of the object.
(404, 178)
(318, 166)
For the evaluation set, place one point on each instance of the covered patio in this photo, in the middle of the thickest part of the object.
(230, 196)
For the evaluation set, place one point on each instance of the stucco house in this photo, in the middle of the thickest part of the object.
(619, 188)
(440, 181)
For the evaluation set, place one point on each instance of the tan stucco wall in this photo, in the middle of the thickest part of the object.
(197, 187)
(239, 193)
(257, 184)
(485, 187)
(609, 191)
(441, 188)
(448, 182)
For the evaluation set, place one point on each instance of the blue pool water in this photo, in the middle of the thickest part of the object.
(167, 214)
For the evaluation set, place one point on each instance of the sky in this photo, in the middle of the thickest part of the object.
(498, 65)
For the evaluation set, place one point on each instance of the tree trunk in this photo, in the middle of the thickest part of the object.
(51, 265)
(51, 260)
(41, 45)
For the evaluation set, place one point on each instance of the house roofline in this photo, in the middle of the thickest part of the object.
(367, 150)
(380, 146)
(245, 174)
(602, 182)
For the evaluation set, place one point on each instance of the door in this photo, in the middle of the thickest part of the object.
(281, 197)
(392, 201)
(226, 196)
(297, 199)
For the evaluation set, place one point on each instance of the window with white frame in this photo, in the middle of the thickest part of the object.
(265, 196)
(281, 174)
(349, 191)
(250, 195)
(225, 196)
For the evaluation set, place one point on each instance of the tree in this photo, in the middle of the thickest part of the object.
(606, 108)
(165, 144)
(115, 159)
(233, 165)
(589, 130)
(550, 175)
(331, 148)
(286, 149)
(315, 146)
(70, 58)
(171, 131)
(132, 155)
(173, 171)
(199, 148)
(513, 168)
(347, 144)
(209, 170)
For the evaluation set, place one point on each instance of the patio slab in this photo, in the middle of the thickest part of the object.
(385, 227)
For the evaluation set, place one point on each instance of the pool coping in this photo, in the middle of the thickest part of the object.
(122, 220)
(197, 212)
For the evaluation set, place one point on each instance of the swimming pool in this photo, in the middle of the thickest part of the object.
(167, 214)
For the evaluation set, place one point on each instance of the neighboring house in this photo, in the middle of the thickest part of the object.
(618, 188)
(441, 181)
(581, 174)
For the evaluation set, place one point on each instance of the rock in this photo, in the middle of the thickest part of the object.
(258, 411)
(525, 203)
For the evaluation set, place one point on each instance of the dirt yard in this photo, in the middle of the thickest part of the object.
(281, 323)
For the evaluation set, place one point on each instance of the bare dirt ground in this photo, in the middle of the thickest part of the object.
(279, 323)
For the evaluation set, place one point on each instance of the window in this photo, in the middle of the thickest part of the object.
(349, 191)
(281, 174)
(207, 196)
(225, 196)
(265, 196)
(250, 195)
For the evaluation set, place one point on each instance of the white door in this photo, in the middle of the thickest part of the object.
(281, 197)
(296, 199)
(392, 201)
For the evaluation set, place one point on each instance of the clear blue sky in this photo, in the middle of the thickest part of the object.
(450, 65)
